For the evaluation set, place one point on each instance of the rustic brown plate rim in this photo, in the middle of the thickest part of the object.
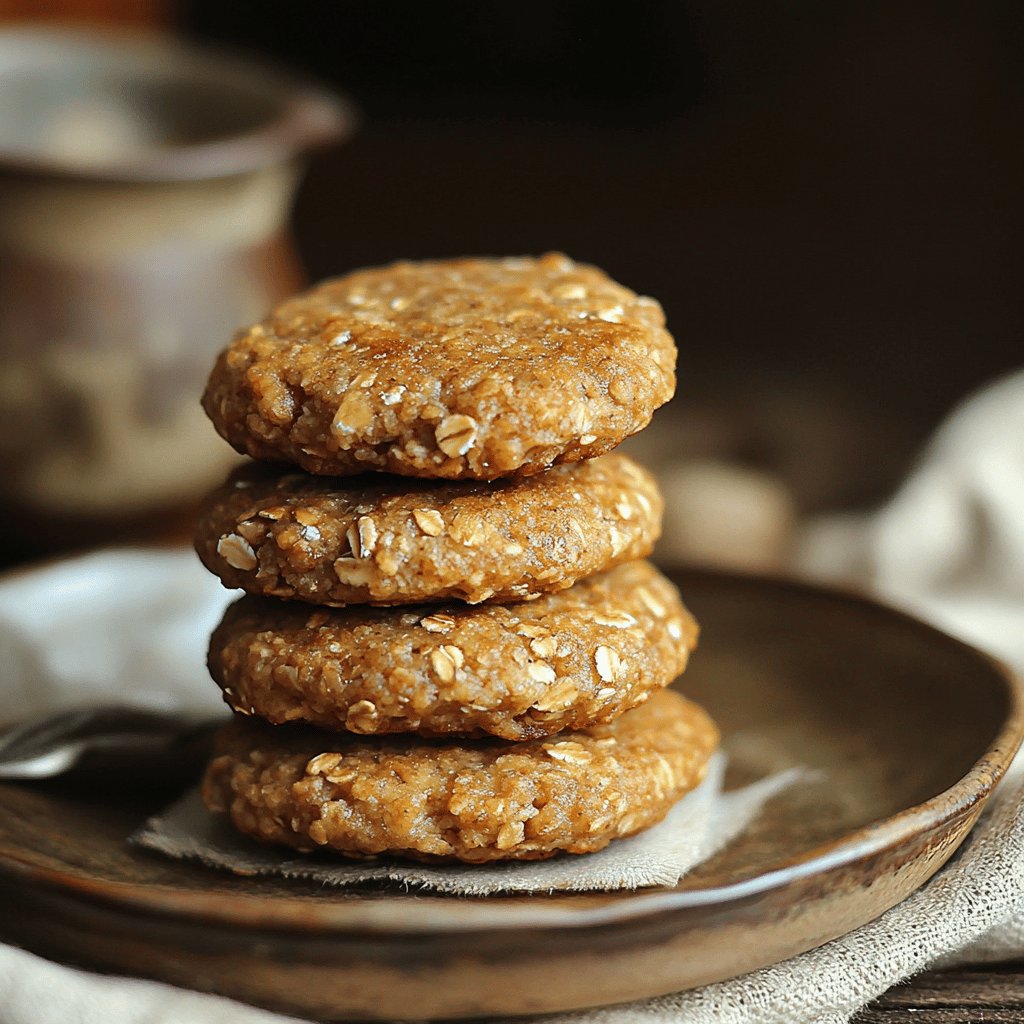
(438, 913)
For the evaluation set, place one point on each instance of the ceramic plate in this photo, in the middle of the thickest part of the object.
(908, 729)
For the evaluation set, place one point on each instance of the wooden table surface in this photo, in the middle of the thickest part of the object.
(994, 994)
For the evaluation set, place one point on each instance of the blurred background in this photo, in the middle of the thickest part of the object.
(826, 198)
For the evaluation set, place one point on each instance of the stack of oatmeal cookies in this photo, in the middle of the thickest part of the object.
(465, 658)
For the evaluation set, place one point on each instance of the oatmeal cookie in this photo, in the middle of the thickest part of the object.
(517, 671)
(386, 540)
(476, 801)
(473, 368)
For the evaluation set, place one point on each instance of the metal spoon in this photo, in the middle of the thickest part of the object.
(44, 747)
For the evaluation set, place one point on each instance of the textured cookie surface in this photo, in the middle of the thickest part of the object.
(476, 801)
(386, 540)
(465, 368)
(531, 669)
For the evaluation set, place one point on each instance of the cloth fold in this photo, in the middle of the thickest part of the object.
(949, 546)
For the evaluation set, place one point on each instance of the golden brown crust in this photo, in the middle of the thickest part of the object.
(473, 802)
(474, 368)
(564, 661)
(385, 540)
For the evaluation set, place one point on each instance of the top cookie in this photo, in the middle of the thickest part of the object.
(473, 368)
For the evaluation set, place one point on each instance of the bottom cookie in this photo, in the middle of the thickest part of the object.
(470, 801)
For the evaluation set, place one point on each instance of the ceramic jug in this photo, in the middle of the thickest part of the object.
(144, 194)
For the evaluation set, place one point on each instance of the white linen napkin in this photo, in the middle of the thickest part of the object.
(151, 611)
(950, 544)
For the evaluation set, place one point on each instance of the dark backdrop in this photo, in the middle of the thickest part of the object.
(826, 197)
